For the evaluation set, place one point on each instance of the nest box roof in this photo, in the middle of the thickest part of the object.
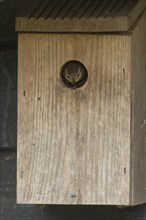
(80, 16)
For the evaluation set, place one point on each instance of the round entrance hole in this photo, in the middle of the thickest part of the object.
(74, 74)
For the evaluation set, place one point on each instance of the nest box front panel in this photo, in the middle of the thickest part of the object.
(73, 142)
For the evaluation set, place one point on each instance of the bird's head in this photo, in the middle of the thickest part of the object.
(73, 76)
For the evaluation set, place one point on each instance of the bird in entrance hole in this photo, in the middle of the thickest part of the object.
(74, 74)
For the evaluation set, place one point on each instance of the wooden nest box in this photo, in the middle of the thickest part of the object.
(82, 103)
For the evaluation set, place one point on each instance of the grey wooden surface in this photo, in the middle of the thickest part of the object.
(9, 210)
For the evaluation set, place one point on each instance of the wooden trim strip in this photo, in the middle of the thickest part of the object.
(136, 14)
(92, 25)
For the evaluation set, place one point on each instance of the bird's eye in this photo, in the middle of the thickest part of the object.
(78, 75)
(68, 76)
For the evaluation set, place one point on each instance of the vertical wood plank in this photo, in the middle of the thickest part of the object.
(138, 114)
(73, 145)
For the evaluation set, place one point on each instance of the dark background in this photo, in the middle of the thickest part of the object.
(9, 210)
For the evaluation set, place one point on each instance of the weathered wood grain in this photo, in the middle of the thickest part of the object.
(106, 16)
(138, 113)
(71, 25)
(136, 14)
(10, 210)
(74, 145)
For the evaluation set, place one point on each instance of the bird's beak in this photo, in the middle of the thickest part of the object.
(74, 84)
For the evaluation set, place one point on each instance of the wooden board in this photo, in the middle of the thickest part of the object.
(73, 145)
(71, 25)
(138, 114)
(81, 16)
(135, 15)
(9, 210)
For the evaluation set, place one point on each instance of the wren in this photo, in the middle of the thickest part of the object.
(74, 74)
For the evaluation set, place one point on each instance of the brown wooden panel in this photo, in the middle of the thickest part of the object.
(13, 211)
(72, 25)
(82, 16)
(138, 114)
(73, 145)
(136, 14)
